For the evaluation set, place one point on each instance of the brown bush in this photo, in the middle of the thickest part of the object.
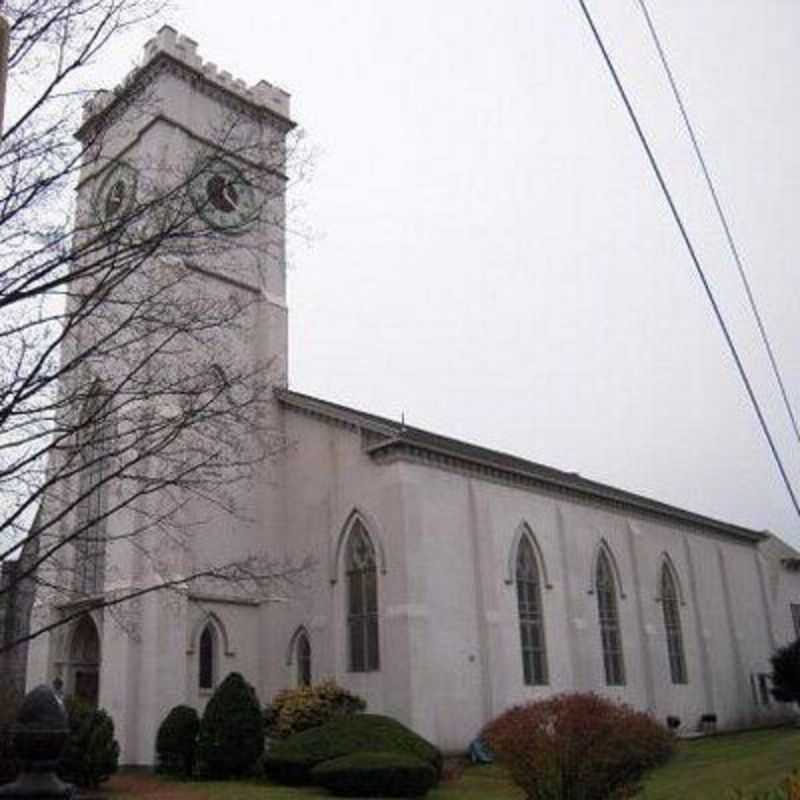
(296, 710)
(578, 747)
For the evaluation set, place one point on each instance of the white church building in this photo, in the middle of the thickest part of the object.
(449, 581)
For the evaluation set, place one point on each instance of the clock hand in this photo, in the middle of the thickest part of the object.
(229, 195)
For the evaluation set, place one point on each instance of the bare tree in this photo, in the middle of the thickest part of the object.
(135, 400)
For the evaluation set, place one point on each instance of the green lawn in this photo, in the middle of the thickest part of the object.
(704, 769)
(710, 769)
(484, 783)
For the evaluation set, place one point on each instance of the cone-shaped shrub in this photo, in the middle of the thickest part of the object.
(92, 753)
(176, 741)
(231, 735)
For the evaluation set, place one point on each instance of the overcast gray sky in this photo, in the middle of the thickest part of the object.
(490, 252)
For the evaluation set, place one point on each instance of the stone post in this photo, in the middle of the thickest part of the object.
(39, 735)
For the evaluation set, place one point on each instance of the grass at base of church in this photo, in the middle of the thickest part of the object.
(714, 767)
(704, 769)
(483, 783)
(476, 783)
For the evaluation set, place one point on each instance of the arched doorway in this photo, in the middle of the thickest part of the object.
(84, 661)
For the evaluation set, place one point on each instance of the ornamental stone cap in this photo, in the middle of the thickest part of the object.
(42, 711)
(183, 49)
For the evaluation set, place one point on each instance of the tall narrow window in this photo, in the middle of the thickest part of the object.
(303, 660)
(672, 626)
(608, 614)
(362, 601)
(207, 657)
(90, 542)
(531, 623)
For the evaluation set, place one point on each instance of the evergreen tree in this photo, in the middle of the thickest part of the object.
(231, 735)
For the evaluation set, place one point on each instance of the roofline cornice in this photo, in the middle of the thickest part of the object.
(386, 441)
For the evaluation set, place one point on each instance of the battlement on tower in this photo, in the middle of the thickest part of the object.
(183, 50)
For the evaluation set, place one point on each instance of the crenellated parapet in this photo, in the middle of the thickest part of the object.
(180, 52)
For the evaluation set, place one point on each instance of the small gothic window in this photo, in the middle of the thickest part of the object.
(611, 636)
(303, 660)
(90, 542)
(672, 626)
(207, 657)
(362, 601)
(531, 622)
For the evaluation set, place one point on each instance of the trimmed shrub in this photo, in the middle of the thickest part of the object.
(9, 705)
(578, 746)
(91, 755)
(176, 741)
(231, 736)
(296, 710)
(9, 767)
(378, 774)
(291, 760)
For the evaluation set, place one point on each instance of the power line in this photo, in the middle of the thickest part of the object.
(723, 219)
(687, 241)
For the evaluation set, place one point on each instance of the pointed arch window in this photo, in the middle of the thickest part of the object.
(93, 448)
(207, 657)
(608, 614)
(362, 601)
(672, 626)
(303, 655)
(531, 621)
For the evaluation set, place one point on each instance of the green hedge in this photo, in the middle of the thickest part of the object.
(378, 774)
(291, 760)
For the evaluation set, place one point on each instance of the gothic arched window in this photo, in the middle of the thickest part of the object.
(207, 657)
(608, 614)
(672, 626)
(93, 452)
(362, 601)
(303, 655)
(531, 622)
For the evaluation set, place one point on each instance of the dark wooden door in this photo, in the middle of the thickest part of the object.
(86, 686)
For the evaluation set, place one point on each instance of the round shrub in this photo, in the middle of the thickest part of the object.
(176, 740)
(291, 760)
(296, 710)
(91, 755)
(231, 736)
(378, 774)
(578, 745)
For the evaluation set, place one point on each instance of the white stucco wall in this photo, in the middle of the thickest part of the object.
(449, 626)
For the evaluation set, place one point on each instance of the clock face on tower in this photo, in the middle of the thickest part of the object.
(223, 197)
(117, 192)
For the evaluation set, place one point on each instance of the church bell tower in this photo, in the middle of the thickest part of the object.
(185, 169)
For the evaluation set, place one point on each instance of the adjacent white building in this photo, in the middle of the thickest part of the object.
(449, 581)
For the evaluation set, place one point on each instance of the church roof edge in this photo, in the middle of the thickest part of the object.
(397, 436)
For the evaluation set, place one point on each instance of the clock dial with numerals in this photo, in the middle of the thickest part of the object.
(223, 197)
